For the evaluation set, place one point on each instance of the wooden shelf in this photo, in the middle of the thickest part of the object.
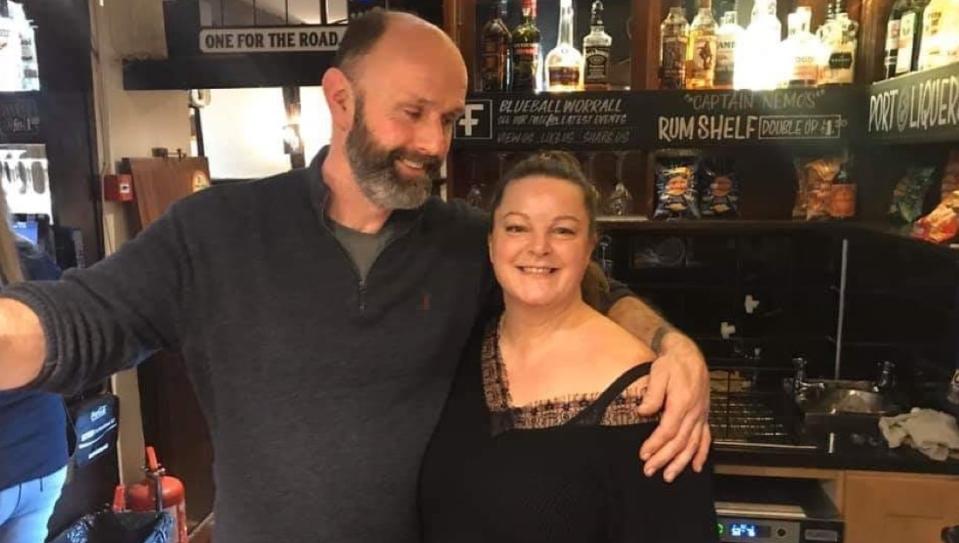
(847, 229)
(733, 226)
(227, 71)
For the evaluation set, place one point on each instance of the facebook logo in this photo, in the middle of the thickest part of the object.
(476, 122)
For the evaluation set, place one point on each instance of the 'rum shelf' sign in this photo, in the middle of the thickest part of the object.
(660, 119)
(701, 118)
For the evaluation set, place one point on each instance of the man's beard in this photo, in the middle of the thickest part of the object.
(376, 172)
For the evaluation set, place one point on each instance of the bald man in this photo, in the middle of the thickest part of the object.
(321, 312)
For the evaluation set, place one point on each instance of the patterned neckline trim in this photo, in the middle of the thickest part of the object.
(549, 412)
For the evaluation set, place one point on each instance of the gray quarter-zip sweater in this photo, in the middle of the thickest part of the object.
(321, 390)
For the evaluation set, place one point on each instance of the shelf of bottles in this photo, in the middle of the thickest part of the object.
(717, 83)
(698, 55)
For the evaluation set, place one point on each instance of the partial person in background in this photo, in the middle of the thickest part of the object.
(538, 439)
(33, 424)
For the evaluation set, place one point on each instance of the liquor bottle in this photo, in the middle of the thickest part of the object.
(525, 47)
(701, 49)
(728, 35)
(564, 64)
(840, 37)
(495, 40)
(761, 37)
(674, 36)
(930, 51)
(892, 36)
(910, 37)
(596, 49)
(940, 34)
(803, 53)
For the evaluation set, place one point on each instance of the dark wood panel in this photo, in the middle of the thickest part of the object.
(227, 71)
(872, 39)
(74, 183)
(66, 116)
(647, 16)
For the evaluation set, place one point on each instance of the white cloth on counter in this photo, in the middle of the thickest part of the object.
(933, 433)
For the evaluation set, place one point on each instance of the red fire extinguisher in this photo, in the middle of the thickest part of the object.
(160, 492)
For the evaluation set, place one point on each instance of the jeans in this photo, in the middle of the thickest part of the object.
(26, 508)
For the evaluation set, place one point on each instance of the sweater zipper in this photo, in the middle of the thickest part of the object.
(406, 233)
(361, 283)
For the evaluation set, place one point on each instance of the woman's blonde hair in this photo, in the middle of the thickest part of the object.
(10, 271)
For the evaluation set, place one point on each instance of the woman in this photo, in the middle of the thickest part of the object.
(33, 426)
(538, 439)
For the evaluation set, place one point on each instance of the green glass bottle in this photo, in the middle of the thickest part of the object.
(526, 51)
(494, 51)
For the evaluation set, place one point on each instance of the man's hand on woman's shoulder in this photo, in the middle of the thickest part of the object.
(680, 380)
(678, 386)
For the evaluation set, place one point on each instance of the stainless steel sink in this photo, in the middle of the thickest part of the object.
(843, 399)
(842, 406)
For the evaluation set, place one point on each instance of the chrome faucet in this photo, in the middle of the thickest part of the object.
(952, 396)
(799, 383)
(887, 379)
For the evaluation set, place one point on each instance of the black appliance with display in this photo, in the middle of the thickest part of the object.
(775, 510)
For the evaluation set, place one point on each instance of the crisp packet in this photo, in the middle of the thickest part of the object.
(942, 224)
(815, 177)
(719, 187)
(676, 188)
(909, 194)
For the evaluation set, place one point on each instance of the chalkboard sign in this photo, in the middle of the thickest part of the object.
(594, 120)
(786, 116)
(19, 119)
(660, 119)
(920, 107)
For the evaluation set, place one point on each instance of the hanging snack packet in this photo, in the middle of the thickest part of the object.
(942, 224)
(909, 194)
(719, 187)
(815, 177)
(676, 188)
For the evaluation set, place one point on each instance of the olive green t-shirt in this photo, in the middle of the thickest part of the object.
(363, 248)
